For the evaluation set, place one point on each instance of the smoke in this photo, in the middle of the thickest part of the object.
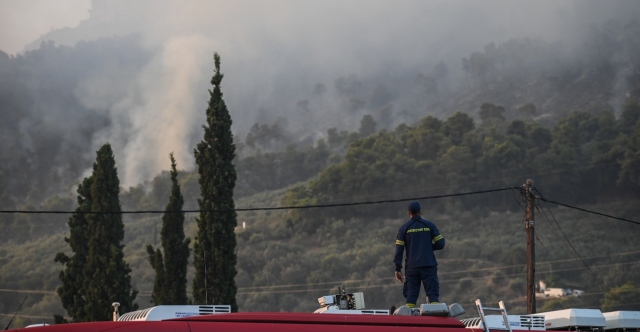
(23, 21)
(159, 114)
(318, 64)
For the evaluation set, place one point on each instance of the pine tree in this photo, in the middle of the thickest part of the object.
(215, 244)
(96, 275)
(170, 285)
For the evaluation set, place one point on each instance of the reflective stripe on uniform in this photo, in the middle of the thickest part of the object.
(400, 243)
(437, 238)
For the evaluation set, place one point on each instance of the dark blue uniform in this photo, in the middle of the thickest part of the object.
(419, 237)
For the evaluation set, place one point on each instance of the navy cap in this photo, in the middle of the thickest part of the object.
(414, 207)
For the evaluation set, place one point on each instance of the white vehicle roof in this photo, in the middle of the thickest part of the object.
(517, 322)
(622, 320)
(162, 312)
(573, 317)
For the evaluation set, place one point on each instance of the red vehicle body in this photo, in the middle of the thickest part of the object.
(271, 322)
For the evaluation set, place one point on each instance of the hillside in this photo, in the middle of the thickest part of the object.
(284, 269)
(52, 123)
(288, 258)
(519, 109)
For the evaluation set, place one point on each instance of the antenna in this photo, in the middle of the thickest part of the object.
(14, 315)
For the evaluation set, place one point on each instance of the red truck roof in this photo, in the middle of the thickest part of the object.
(272, 321)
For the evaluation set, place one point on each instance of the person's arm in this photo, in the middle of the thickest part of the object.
(397, 259)
(437, 240)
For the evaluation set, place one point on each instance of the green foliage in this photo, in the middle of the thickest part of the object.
(215, 244)
(491, 114)
(629, 117)
(170, 285)
(497, 156)
(456, 126)
(581, 148)
(627, 149)
(424, 140)
(264, 136)
(628, 294)
(528, 110)
(156, 260)
(28, 265)
(560, 303)
(96, 275)
(275, 170)
(367, 126)
(72, 292)
(554, 281)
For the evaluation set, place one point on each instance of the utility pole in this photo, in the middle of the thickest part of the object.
(531, 249)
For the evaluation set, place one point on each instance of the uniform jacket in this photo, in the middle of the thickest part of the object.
(419, 238)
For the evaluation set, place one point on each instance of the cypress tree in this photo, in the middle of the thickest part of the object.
(215, 243)
(96, 275)
(170, 284)
(159, 294)
(71, 292)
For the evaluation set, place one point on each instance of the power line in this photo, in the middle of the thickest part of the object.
(589, 211)
(257, 289)
(275, 289)
(29, 316)
(518, 176)
(590, 257)
(248, 291)
(267, 208)
(339, 205)
(492, 180)
(254, 292)
(316, 206)
(30, 291)
(575, 254)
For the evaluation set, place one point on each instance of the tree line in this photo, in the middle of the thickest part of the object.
(429, 143)
(96, 275)
(456, 155)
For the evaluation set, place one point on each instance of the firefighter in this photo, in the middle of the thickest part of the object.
(419, 238)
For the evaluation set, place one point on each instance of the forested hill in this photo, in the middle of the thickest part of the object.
(572, 126)
(288, 258)
(53, 121)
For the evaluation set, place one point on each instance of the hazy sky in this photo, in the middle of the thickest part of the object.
(23, 21)
(274, 53)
